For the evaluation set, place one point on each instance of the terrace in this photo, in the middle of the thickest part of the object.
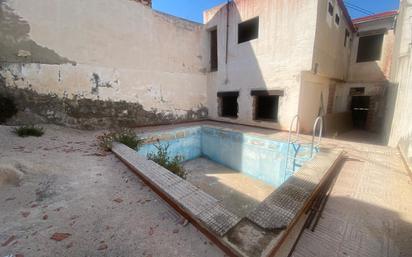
(105, 209)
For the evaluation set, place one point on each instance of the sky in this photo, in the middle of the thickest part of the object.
(192, 9)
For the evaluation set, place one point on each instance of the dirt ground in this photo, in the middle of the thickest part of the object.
(59, 197)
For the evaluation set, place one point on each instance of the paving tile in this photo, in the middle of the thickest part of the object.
(368, 212)
(218, 219)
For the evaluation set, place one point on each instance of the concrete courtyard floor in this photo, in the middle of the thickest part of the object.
(102, 208)
(369, 212)
(63, 185)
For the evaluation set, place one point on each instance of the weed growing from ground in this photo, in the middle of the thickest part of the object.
(162, 158)
(29, 130)
(125, 136)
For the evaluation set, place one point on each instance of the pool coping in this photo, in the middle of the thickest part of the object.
(149, 140)
(129, 157)
(228, 237)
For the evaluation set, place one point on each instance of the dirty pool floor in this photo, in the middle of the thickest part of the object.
(57, 186)
(239, 193)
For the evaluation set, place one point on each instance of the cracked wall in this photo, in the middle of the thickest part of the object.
(129, 64)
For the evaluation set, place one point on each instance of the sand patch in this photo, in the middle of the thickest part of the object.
(10, 175)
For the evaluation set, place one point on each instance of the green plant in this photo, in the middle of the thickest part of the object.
(162, 158)
(7, 108)
(29, 130)
(125, 136)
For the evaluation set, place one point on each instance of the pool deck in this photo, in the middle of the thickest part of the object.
(238, 192)
(369, 212)
(270, 229)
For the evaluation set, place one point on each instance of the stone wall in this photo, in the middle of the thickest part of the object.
(101, 63)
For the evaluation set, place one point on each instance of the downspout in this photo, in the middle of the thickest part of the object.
(227, 40)
(227, 28)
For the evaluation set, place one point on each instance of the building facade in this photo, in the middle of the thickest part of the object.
(104, 63)
(277, 59)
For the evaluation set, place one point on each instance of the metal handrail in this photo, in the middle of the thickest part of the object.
(297, 128)
(296, 120)
(318, 120)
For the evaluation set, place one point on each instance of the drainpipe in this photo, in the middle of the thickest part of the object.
(227, 39)
(227, 28)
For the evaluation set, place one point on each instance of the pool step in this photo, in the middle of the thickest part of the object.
(199, 205)
(279, 209)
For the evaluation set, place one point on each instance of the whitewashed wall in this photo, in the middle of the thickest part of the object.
(137, 55)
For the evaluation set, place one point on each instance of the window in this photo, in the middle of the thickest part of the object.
(330, 9)
(228, 106)
(337, 19)
(213, 50)
(248, 30)
(266, 104)
(347, 37)
(370, 48)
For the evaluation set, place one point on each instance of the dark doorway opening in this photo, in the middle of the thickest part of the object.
(360, 111)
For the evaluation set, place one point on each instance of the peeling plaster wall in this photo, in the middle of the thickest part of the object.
(104, 51)
(274, 61)
(399, 112)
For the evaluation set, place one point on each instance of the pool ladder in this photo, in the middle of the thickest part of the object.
(291, 157)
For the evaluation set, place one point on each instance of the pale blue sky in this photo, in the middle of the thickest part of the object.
(192, 9)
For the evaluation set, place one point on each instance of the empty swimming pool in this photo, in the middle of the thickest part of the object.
(256, 156)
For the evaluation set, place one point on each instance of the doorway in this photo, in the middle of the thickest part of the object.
(360, 111)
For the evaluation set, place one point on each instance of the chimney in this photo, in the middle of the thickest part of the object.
(145, 2)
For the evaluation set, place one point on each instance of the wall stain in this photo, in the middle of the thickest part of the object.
(15, 40)
(85, 113)
(97, 83)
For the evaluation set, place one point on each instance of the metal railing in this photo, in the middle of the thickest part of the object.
(295, 129)
(319, 120)
(295, 120)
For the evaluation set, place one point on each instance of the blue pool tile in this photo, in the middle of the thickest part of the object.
(259, 157)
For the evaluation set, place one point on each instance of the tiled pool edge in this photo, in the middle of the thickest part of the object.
(276, 241)
(225, 234)
(198, 218)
